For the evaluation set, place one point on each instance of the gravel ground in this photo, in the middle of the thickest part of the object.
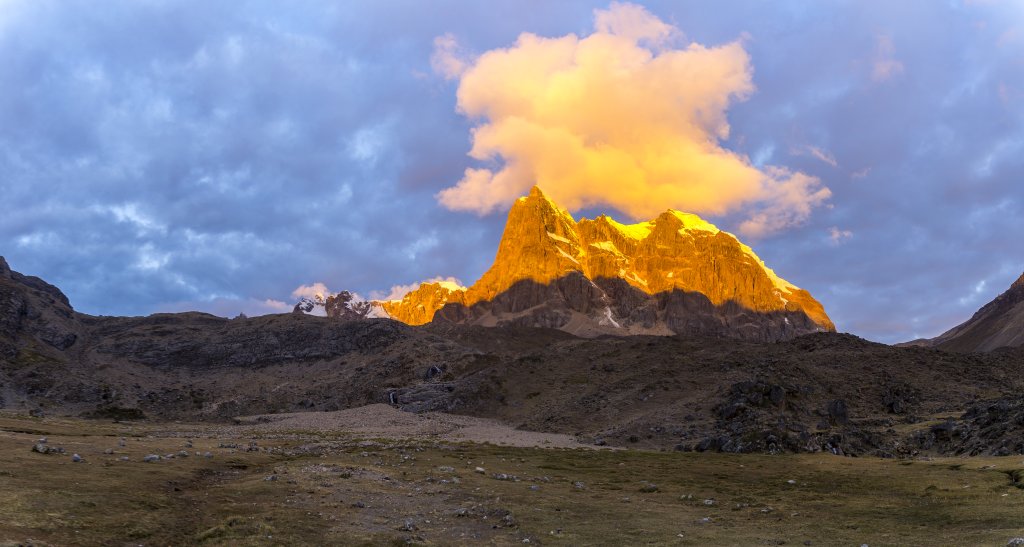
(383, 421)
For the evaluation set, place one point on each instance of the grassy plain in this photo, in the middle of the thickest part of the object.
(306, 488)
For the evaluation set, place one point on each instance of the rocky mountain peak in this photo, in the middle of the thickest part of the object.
(608, 271)
(686, 221)
(5, 270)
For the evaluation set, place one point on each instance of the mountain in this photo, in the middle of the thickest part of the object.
(820, 392)
(1000, 323)
(344, 305)
(676, 274)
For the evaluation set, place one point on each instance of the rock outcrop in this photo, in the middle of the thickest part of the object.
(27, 303)
(674, 274)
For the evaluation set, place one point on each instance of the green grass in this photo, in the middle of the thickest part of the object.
(316, 497)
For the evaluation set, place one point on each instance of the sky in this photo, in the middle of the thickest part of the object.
(229, 156)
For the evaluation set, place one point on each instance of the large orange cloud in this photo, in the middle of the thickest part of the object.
(624, 117)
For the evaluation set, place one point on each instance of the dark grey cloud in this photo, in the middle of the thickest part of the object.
(160, 156)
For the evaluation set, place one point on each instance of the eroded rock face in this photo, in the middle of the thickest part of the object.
(674, 274)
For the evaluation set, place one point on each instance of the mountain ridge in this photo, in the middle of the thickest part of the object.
(998, 324)
(822, 392)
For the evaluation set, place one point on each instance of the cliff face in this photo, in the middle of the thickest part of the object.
(1000, 323)
(676, 273)
(418, 307)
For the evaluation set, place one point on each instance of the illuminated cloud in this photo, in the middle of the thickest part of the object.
(626, 117)
(312, 291)
(448, 60)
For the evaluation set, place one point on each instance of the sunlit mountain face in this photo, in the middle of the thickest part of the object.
(613, 271)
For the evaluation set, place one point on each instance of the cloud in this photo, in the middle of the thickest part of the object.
(312, 292)
(788, 202)
(818, 153)
(861, 173)
(398, 291)
(634, 23)
(885, 65)
(975, 292)
(448, 58)
(837, 236)
(618, 118)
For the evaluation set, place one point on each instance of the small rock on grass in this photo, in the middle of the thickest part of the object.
(1016, 542)
(151, 458)
(76, 458)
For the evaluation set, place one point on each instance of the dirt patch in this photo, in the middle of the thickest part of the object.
(386, 422)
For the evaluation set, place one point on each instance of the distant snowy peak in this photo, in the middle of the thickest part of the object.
(308, 306)
(343, 305)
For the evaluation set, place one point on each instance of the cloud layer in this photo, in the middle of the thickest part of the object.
(624, 117)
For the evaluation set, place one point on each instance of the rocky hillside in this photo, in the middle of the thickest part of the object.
(819, 392)
(676, 274)
(998, 324)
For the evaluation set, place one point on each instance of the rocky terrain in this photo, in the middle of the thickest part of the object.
(676, 274)
(998, 324)
(822, 392)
